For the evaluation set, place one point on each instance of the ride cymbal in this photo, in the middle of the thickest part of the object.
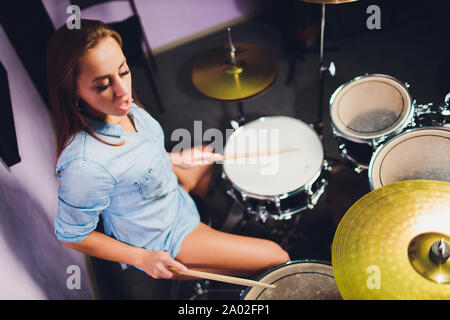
(254, 70)
(393, 243)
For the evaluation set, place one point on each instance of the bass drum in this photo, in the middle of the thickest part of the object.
(297, 280)
(416, 154)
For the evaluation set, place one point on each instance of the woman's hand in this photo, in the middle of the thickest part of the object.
(156, 264)
(196, 156)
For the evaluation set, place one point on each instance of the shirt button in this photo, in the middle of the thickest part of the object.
(154, 139)
(149, 170)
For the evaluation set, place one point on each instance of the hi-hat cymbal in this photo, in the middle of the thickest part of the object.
(254, 71)
(383, 246)
(328, 1)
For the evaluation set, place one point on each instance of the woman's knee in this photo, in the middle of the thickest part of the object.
(280, 255)
(274, 254)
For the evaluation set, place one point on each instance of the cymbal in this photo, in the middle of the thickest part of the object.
(254, 71)
(383, 246)
(328, 1)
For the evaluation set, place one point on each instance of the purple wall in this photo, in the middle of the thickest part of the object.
(164, 21)
(33, 262)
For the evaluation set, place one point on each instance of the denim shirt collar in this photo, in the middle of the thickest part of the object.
(106, 128)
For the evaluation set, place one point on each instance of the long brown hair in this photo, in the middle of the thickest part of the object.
(63, 53)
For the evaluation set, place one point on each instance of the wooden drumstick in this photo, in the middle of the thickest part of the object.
(257, 154)
(222, 278)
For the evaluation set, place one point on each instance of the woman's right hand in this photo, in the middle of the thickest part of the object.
(156, 264)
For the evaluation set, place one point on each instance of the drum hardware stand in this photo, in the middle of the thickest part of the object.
(322, 70)
(241, 118)
(233, 62)
(202, 290)
(352, 164)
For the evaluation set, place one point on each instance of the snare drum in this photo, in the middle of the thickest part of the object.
(280, 184)
(366, 111)
(297, 280)
(416, 154)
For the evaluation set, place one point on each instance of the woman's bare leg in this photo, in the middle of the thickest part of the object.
(210, 250)
(195, 180)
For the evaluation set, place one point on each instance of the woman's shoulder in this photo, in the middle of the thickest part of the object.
(73, 150)
(76, 154)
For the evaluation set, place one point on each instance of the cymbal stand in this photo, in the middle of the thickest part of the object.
(322, 69)
(233, 62)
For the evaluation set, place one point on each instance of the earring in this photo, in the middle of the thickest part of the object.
(78, 106)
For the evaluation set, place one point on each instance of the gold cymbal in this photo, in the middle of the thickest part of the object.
(329, 1)
(254, 71)
(381, 249)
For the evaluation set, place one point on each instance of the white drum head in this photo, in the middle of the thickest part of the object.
(278, 173)
(418, 154)
(370, 107)
(298, 280)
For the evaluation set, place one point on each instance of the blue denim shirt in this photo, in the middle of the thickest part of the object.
(132, 186)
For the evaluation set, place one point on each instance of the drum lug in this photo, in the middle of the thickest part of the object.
(378, 141)
(262, 213)
(316, 195)
(407, 85)
(278, 204)
(327, 166)
(447, 99)
(444, 110)
(334, 131)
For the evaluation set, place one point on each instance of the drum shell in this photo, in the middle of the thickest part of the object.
(283, 206)
(306, 267)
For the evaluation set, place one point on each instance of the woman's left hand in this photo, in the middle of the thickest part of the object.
(196, 156)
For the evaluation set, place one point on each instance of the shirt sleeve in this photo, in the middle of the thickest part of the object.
(84, 191)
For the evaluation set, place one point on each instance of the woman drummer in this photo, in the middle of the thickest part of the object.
(111, 161)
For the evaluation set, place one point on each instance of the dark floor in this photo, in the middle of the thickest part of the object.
(412, 46)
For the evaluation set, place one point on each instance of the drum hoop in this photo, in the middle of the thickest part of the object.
(292, 262)
(382, 147)
(401, 125)
(286, 194)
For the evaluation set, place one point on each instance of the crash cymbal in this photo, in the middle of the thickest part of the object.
(393, 243)
(254, 70)
(328, 1)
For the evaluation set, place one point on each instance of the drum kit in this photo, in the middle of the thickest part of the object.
(394, 242)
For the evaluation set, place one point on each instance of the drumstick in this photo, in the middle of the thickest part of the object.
(222, 278)
(257, 154)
